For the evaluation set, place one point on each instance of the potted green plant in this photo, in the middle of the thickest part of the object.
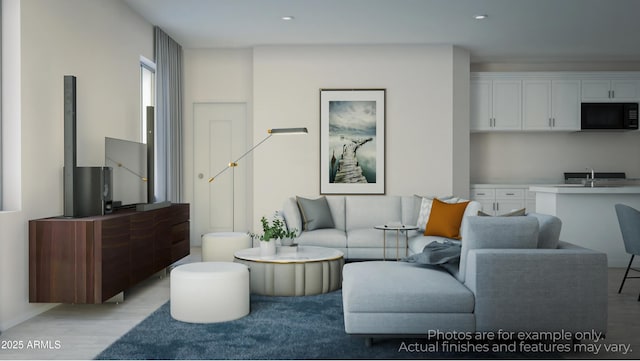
(271, 232)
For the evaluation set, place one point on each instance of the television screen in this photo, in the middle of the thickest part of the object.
(129, 162)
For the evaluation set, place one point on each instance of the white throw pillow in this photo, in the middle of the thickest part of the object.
(425, 210)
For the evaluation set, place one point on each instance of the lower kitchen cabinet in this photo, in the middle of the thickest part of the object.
(500, 199)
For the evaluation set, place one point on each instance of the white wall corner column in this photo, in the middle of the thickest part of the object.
(461, 111)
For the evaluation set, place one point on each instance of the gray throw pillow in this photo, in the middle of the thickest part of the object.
(315, 213)
(549, 232)
(436, 253)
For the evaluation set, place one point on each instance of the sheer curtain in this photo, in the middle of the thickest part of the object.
(168, 57)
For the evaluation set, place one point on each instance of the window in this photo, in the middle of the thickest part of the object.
(147, 92)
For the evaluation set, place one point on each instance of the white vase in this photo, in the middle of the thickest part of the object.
(287, 241)
(268, 248)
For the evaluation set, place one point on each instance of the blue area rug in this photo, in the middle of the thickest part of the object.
(309, 327)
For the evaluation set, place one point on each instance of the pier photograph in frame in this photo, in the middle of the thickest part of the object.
(352, 141)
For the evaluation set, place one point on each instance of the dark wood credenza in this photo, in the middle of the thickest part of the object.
(92, 259)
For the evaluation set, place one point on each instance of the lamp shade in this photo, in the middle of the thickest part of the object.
(288, 131)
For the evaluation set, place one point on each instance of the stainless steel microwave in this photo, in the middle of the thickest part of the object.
(609, 116)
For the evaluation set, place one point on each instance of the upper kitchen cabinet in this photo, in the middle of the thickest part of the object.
(496, 105)
(543, 101)
(551, 105)
(610, 90)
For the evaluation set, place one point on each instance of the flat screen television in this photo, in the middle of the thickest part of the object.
(129, 162)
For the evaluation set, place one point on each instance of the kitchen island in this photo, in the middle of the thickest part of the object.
(588, 215)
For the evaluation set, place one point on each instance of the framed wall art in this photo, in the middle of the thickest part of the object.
(352, 141)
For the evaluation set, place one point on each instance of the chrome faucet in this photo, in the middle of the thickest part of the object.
(591, 180)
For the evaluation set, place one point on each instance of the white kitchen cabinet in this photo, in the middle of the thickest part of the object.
(551, 104)
(543, 101)
(610, 90)
(497, 200)
(496, 105)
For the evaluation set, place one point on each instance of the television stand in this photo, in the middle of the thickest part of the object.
(92, 259)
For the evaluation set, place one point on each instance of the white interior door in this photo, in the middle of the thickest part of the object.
(220, 137)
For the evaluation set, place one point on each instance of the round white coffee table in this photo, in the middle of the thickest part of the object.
(309, 271)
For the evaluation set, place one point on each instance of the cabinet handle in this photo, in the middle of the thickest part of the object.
(613, 94)
(511, 194)
(554, 122)
(549, 122)
(497, 206)
(481, 194)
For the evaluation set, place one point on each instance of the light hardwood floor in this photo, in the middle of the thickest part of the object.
(81, 332)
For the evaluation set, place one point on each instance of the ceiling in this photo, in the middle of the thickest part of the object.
(515, 30)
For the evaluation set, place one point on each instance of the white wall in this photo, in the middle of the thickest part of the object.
(421, 92)
(427, 113)
(214, 76)
(11, 153)
(544, 157)
(100, 42)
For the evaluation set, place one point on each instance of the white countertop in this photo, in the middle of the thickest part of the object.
(580, 189)
(501, 185)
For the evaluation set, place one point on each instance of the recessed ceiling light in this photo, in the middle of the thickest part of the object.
(480, 16)
(287, 18)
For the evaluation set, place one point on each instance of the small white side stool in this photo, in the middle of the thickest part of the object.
(220, 246)
(205, 292)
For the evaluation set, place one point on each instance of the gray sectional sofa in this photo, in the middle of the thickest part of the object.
(513, 273)
(354, 219)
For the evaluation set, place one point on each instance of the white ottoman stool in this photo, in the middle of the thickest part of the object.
(205, 292)
(221, 246)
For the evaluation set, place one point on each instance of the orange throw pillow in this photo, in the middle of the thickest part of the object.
(445, 219)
